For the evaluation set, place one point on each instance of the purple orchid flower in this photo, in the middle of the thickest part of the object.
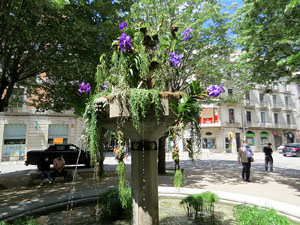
(187, 33)
(214, 90)
(84, 88)
(123, 25)
(125, 42)
(175, 59)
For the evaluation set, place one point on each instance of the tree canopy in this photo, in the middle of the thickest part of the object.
(49, 46)
(267, 34)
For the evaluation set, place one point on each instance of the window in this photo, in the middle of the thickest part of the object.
(286, 101)
(73, 148)
(17, 98)
(14, 142)
(248, 116)
(261, 98)
(288, 119)
(276, 118)
(231, 115)
(229, 91)
(262, 117)
(209, 115)
(58, 131)
(248, 96)
(274, 99)
(209, 143)
(216, 115)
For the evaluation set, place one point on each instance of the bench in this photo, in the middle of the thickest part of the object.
(36, 175)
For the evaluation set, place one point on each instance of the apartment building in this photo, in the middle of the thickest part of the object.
(259, 118)
(23, 129)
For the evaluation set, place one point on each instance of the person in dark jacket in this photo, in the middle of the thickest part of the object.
(268, 157)
(44, 165)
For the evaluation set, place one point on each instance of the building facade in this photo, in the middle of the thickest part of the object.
(259, 118)
(23, 129)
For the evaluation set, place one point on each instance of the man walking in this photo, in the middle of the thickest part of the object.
(244, 155)
(268, 157)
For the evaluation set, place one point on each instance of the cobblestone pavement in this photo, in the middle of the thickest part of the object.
(214, 171)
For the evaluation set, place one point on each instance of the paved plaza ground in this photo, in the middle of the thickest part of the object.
(213, 171)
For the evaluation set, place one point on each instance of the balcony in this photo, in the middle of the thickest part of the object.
(260, 87)
(277, 106)
(289, 107)
(270, 125)
(275, 87)
(206, 125)
(249, 104)
(254, 124)
(263, 105)
(286, 90)
(232, 124)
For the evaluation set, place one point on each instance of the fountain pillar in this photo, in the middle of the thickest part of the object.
(144, 167)
(144, 183)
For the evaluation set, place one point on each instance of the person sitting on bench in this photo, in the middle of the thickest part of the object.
(44, 166)
(59, 166)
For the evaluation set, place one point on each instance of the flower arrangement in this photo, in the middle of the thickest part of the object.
(148, 59)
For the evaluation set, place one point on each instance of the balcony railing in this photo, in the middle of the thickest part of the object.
(248, 103)
(256, 124)
(277, 106)
(289, 107)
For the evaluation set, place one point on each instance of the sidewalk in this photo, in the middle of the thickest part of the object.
(216, 172)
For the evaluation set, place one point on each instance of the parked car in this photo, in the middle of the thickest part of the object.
(292, 149)
(69, 151)
(279, 148)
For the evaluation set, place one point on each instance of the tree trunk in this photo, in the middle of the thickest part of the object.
(162, 155)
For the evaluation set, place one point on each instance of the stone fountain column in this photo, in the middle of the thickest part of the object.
(144, 174)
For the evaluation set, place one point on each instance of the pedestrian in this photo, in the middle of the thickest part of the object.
(245, 156)
(44, 166)
(268, 157)
(59, 166)
(126, 150)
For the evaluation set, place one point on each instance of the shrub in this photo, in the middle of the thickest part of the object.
(247, 215)
(200, 204)
(111, 206)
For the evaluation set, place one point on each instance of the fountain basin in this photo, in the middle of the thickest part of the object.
(86, 196)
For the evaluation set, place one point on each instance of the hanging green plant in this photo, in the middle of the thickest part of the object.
(124, 191)
(93, 136)
(178, 179)
(139, 102)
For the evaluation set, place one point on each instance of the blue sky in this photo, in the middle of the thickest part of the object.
(229, 2)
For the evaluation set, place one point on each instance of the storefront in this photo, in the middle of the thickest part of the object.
(58, 131)
(289, 137)
(264, 139)
(250, 137)
(14, 142)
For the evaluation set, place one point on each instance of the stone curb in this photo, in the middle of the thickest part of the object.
(52, 202)
(289, 210)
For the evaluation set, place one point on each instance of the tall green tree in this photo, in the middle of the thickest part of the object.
(62, 39)
(267, 34)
